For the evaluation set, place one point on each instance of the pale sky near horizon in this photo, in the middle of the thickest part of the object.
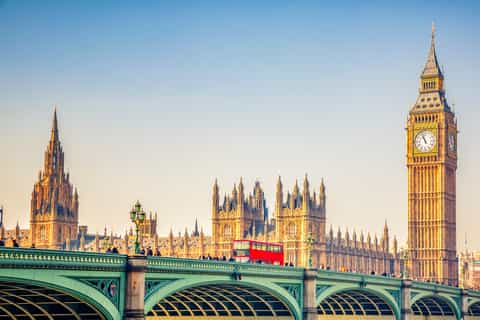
(156, 100)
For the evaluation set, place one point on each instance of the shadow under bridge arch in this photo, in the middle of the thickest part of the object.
(221, 301)
(356, 304)
(434, 307)
(21, 300)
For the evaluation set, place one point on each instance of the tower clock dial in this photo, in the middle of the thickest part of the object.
(425, 141)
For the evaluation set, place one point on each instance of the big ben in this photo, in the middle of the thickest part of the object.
(432, 165)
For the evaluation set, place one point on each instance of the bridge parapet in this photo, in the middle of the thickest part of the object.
(56, 259)
(178, 265)
(357, 278)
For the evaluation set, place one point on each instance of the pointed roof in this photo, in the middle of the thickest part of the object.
(195, 230)
(54, 135)
(306, 184)
(322, 187)
(431, 66)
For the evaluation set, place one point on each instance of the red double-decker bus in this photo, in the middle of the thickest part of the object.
(257, 252)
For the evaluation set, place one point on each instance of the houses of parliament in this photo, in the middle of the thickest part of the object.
(299, 220)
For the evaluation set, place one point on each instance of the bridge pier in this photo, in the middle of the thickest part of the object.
(309, 294)
(464, 303)
(135, 290)
(405, 305)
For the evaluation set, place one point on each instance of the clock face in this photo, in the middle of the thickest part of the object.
(451, 142)
(425, 141)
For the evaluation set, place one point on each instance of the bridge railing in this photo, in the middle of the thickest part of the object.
(56, 259)
(168, 264)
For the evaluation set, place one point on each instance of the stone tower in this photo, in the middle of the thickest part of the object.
(54, 204)
(296, 219)
(239, 217)
(432, 165)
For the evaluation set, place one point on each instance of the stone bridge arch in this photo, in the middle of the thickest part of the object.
(473, 309)
(51, 288)
(355, 302)
(263, 290)
(430, 305)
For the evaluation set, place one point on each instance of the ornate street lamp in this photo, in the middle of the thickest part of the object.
(405, 256)
(137, 215)
(310, 241)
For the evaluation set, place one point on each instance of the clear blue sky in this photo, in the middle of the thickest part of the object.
(157, 99)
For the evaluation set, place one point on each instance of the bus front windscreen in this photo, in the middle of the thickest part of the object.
(241, 249)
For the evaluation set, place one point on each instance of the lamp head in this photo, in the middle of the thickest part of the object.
(138, 206)
(133, 214)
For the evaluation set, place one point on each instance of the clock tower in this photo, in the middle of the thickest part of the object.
(432, 165)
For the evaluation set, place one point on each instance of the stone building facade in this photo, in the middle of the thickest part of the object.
(469, 270)
(432, 165)
(54, 203)
(300, 218)
(238, 217)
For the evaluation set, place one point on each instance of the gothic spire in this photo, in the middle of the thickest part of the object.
(432, 68)
(322, 189)
(54, 135)
(306, 184)
(195, 232)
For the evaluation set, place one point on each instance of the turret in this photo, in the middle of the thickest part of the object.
(97, 242)
(215, 199)
(306, 194)
(386, 238)
(17, 232)
(2, 227)
(234, 195)
(170, 243)
(186, 246)
(201, 243)
(195, 231)
(354, 238)
(258, 194)
(339, 237)
(75, 202)
(322, 197)
(82, 242)
(296, 195)
(279, 197)
(241, 195)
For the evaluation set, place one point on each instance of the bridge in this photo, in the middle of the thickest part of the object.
(49, 284)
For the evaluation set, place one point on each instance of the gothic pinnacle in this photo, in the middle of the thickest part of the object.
(54, 135)
(305, 183)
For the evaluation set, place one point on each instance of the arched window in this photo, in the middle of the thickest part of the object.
(292, 230)
(43, 233)
(227, 231)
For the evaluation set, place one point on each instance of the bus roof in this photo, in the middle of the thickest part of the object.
(256, 241)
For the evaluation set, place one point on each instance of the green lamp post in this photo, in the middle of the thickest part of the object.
(310, 241)
(405, 258)
(137, 215)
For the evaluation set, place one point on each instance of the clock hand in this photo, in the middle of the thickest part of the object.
(424, 140)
